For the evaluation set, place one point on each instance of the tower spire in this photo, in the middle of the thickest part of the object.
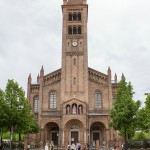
(115, 78)
(42, 72)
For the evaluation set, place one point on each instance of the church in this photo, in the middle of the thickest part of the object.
(72, 103)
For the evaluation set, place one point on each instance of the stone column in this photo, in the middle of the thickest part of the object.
(85, 141)
(62, 131)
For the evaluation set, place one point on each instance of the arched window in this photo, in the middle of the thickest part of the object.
(79, 16)
(70, 17)
(98, 99)
(74, 30)
(79, 30)
(74, 17)
(69, 30)
(53, 99)
(36, 101)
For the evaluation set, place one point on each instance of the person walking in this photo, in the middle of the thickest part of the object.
(73, 147)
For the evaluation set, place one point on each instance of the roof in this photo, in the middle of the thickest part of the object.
(75, 1)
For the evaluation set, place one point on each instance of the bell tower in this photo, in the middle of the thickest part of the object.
(74, 73)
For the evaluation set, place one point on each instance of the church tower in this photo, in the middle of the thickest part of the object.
(74, 77)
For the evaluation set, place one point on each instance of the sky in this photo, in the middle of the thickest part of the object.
(118, 36)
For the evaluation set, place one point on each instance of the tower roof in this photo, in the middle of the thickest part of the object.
(75, 1)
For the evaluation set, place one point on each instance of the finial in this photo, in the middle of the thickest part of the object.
(109, 71)
(65, 2)
(122, 77)
(84, 1)
(115, 78)
(42, 72)
(38, 77)
(29, 78)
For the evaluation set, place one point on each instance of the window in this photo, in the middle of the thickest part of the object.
(69, 30)
(36, 101)
(79, 16)
(74, 61)
(75, 30)
(98, 100)
(53, 99)
(79, 30)
(70, 17)
(74, 81)
(74, 17)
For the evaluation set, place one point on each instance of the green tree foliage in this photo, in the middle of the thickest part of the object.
(124, 110)
(140, 136)
(144, 116)
(18, 114)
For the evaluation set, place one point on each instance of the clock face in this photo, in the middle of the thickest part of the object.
(74, 44)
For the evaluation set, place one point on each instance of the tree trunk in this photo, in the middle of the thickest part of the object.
(19, 137)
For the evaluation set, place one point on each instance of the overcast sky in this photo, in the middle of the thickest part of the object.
(118, 36)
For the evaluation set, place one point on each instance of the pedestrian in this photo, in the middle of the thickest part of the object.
(46, 146)
(73, 147)
(79, 146)
(68, 146)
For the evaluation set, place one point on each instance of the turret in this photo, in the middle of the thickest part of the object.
(42, 72)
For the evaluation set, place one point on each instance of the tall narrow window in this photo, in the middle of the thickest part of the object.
(74, 81)
(53, 99)
(79, 30)
(98, 100)
(69, 30)
(36, 101)
(79, 16)
(74, 61)
(74, 17)
(74, 30)
(70, 17)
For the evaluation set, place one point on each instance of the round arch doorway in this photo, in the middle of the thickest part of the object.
(97, 132)
(74, 132)
(52, 132)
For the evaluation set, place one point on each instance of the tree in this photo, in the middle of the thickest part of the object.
(123, 113)
(144, 116)
(3, 116)
(19, 111)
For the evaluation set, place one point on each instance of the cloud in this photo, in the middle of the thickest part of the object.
(118, 36)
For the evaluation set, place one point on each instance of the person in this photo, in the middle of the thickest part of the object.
(79, 146)
(68, 147)
(73, 147)
(46, 146)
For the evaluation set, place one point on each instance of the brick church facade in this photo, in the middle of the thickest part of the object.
(72, 103)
